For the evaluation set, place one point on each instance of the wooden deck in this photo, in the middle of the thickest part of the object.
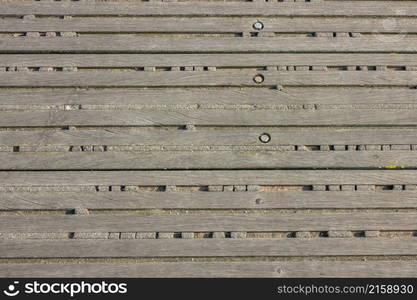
(208, 138)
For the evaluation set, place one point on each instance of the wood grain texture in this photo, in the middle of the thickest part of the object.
(215, 25)
(210, 136)
(341, 117)
(215, 177)
(224, 78)
(283, 269)
(206, 247)
(202, 222)
(122, 44)
(177, 160)
(130, 8)
(208, 200)
(219, 60)
(213, 95)
(178, 139)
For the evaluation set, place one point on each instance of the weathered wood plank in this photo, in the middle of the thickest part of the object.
(202, 222)
(249, 96)
(219, 60)
(224, 78)
(210, 136)
(207, 200)
(192, 160)
(215, 25)
(206, 247)
(341, 117)
(325, 8)
(385, 268)
(190, 178)
(122, 44)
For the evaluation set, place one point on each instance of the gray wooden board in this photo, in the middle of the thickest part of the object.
(124, 44)
(210, 136)
(208, 200)
(213, 95)
(191, 178)
(336, 117)
(207, 247)
(285, 269)
(224, 78)
(210, 221)
(130, 8)
(144, 160)
(219, 60)
(216, 25)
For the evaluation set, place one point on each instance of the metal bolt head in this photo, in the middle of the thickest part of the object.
(258, 25)
(265, 138)
(258, 79)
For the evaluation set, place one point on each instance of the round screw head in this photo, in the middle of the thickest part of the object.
(265, 138)
(258, 25)
(258, 78)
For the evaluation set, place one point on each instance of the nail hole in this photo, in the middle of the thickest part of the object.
(258, 78)
(258, 201)
(265, 138)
